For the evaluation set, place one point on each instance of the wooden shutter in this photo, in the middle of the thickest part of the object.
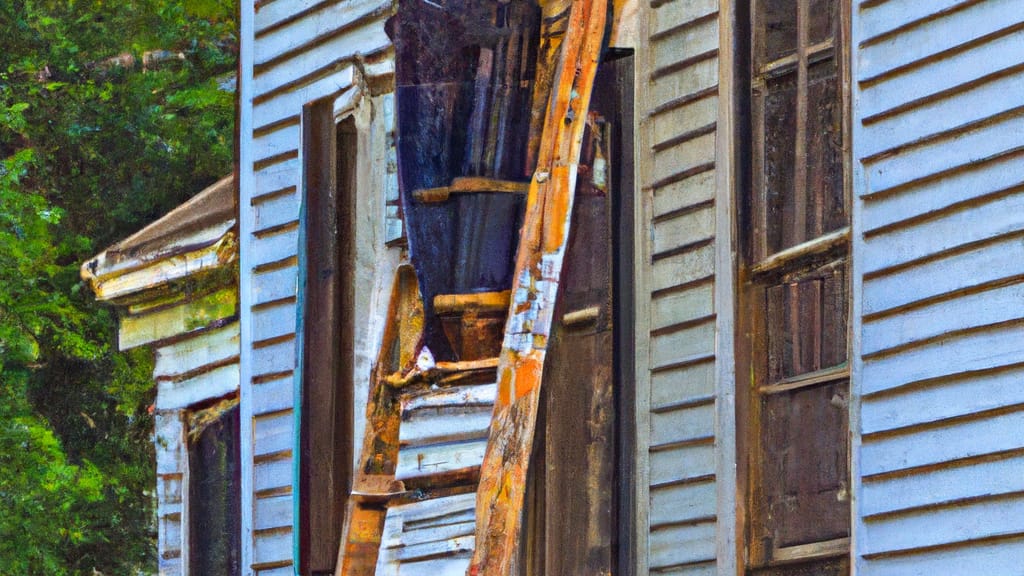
(796, 290)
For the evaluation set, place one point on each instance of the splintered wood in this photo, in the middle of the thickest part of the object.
(539, 258)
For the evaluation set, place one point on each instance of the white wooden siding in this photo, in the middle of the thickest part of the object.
(939, 269)
(299, 51)
(678, 108)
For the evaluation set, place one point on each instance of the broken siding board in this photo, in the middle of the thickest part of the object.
(970, 481)
(216, 383)
(985, 434)
(213, 347)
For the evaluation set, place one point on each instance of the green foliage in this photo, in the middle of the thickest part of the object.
(111, 113)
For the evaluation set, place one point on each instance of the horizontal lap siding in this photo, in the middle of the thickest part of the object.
(939, 143)
(303, 50)
(679, 111)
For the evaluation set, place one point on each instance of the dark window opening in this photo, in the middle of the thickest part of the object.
(328, 326)
(214, 491)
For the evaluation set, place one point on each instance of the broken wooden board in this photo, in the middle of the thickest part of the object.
(433, 537)
(538, 268)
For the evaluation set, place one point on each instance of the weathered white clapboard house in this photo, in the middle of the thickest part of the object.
(816, 257)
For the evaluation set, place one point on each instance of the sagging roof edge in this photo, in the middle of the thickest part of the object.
(196, 236)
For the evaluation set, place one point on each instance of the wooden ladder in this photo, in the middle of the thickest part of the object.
(442, 474)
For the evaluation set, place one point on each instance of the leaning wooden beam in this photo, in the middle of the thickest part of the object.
(470, 184)
(539, 258)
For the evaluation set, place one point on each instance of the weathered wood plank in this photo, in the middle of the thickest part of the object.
(682, 230)
(948, 32)
(683, 268)
(274, 395)
(278, 210)
(272, 546)
(213, 384)
(940, 445)
(946, 485)
(274, 432)
(681, 502)
(275, 247)
(674, 545)
(681, 463)
(963, 353)
(683, 424)
(953, 524)
(273, 512)
(190, 316)
(326, 20)
(990, 263)
(682, 345)
(968, 394)
(1001, 557)
(683, 306)
(700, 76)
(668, 15)
(273, 321)
(274, 285)
(995, 306)
(885, 17)
(950, 73)
(276, 358)
(211, 347)
(683, 156)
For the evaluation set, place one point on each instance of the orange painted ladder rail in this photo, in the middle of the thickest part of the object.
(542, 246)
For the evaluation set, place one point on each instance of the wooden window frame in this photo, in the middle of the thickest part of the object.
(757, 268)
(327, 292)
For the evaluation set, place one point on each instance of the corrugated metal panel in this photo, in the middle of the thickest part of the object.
(679, 109)
(939, 145)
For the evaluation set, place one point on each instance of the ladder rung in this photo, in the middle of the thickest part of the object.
(441, 372)
(470, 184)
(477, 302)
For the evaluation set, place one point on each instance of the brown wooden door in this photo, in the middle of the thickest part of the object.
(572, 524)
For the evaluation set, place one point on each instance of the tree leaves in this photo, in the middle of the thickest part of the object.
(94, 144)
